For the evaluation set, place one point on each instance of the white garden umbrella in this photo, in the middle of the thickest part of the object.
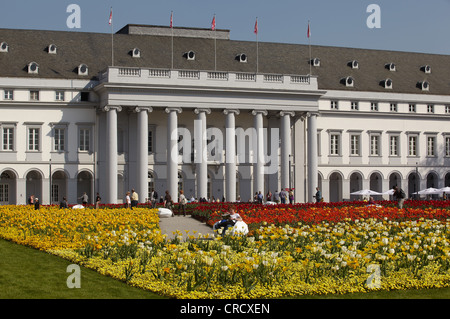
(389, 192)
(364, 192)
(428, 191)
(444, 190)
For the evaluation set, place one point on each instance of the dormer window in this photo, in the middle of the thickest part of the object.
(83, 69)
(354, 64)
(52, 49)
(4, 47)
(348, 81)
(136, 53)
(33, 68)
(387, 84)
(391, 67)
(190, 55)
(424, 86)
(315, 62)
(242, 58)
(426, 69)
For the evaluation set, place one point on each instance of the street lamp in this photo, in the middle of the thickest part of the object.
(290, 171)
(417, 181)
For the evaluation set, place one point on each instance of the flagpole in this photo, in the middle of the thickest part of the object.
(309, 43)
(257, 46)
(171, 26)
(112, 38)
(215, 44)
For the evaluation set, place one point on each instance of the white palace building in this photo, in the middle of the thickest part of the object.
(191, 109)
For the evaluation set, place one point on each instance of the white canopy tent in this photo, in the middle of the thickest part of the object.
(366, 192)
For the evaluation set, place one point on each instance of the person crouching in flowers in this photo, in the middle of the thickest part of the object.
(228, 220)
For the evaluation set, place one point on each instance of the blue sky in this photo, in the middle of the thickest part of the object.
(406, 25)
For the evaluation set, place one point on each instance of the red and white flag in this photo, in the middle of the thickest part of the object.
(110, 17)
(256, 27)
(213, 23)
(309, 31)
(171, 19)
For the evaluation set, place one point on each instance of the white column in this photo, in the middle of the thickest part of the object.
(111, 149)
(172, 152)
(142, 152)
(230, 155)
(258, 171)
(201, 159)
(285, 177)
(312, 156)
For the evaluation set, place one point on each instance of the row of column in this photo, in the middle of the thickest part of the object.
(201, 166)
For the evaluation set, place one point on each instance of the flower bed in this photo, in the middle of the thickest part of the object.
(291, 251)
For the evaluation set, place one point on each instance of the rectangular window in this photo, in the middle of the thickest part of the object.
(374, 145)
(150, 141)
(59, 139)
(447, 146)
(412, 108)
(9, 95)
(354, 106)
(8, 139)
(85, 135)
(34, 95)
(393, 107)
(374, 106)
(431, 146)
(334, 105)
(447, 109)
(430, 108)
(412, 145)
(354, 145)
(59, 96)
(4, 193)
(334, 144)
(33, 139)
(55, 193)
(393, 145)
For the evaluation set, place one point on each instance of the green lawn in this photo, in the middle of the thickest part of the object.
(26, 273)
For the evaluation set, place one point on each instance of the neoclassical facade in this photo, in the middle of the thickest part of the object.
(191, 109)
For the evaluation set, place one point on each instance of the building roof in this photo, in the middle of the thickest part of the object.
(94, 50)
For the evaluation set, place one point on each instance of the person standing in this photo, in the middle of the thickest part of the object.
(37, 205)
(84, 199)
(168, 201)
(97, 201)
(134, 198)
(400, 195)
(291, 196)
(182, 203)
(128, 200)
(31, 200)
(318, 195)
(276, 197)
(283, 196)
(153, 198)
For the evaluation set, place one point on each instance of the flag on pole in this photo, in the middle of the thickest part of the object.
(309, 31)
(256, 26)
(171, 27)
(110, 17)
(213, 23)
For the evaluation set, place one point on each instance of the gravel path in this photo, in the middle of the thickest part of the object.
(169, 226)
